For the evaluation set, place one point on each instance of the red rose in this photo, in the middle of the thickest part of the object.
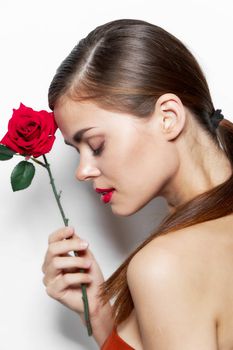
(30, 132)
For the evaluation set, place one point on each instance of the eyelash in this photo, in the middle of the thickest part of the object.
(97, 152)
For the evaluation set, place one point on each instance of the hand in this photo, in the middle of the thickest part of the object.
(61, 276)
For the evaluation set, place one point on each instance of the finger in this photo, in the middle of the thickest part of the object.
(66, 281)
(58, 235)
(59, 264)
(62, 248)
(66, 246)
(62, 233)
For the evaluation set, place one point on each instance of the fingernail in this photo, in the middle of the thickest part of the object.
(84, 244)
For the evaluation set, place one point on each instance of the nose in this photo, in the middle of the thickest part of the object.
(85, 172)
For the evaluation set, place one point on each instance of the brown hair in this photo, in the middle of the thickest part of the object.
(126, 65)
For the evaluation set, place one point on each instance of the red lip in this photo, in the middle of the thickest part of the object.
(100, 190)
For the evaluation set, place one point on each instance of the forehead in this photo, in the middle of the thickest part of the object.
(72, 114)
(72, 110)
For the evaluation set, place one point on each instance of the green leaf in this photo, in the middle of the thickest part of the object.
(22, 175)
(6, 153)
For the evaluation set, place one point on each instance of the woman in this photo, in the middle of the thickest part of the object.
(152, 131)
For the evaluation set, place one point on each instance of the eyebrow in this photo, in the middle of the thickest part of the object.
(77, 137)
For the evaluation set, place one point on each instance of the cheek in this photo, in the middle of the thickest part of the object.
(145, 168)
(122, 161)
(138, 163)
(139, 172)
(159, 165)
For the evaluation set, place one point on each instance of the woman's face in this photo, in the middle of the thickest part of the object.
(121, 151)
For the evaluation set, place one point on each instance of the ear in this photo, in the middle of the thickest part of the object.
(170, 114)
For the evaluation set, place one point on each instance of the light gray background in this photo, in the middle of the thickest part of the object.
(35, 37)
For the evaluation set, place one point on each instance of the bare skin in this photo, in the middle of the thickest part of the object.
(141, 146)
(62, 279)
(179, 161)
(206, 251)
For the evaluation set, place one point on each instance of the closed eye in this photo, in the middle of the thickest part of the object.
(96, 152)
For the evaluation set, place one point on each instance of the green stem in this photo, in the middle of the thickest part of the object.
(65, 220)
(57, 196)
(38, 162)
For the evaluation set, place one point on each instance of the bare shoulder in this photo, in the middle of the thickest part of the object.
(170, 250)
(170, 261)
(205, 241)
(172, 256)
(177, 279)
(170, 296)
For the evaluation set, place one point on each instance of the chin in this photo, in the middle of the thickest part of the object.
(124, 211)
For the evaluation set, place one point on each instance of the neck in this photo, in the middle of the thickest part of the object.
(198, 172)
